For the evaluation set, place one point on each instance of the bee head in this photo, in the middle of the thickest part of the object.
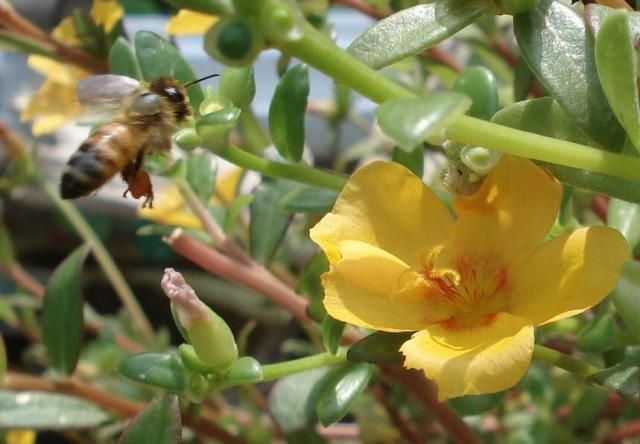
(174, 93)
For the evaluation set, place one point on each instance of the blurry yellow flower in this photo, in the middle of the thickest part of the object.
(170, 209)
(20, 437)
(65, 32)
(106, 13)
(472, 288)
(55, 103)
(227, 184)
(187, 22)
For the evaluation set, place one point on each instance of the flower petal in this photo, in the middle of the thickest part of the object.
(511, 212)
(106, 13)
(488, 358)
(568, 275)
(187, 22)
(363, 289)
(65, 32)
(384, 205)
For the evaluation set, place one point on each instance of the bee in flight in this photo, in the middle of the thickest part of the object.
(143, 123)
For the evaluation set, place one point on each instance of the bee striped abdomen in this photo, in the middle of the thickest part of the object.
(106, 152)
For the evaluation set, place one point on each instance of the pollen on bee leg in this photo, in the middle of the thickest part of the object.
(139, 186)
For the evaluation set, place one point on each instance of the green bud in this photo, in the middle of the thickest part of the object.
(479, 160)
(281, 20)
(191, 360)
(215, 127)
(233, 41)
(238, 85)
(213, 102)
(187, 139)
(512, 7)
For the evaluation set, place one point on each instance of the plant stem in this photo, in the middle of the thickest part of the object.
(552, 357)
(318, 51)
(298, 172)
(104, 260)
(282, 369)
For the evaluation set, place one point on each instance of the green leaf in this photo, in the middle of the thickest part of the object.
(597, 336)
(588, 407)
(409, 121)
(618, 72)
(158, 423)
(625, 297)
(308, 199)
(480, 85)
(523, 79)
(340, 390)
(159, 58)
(238, 85)
(476, 404)
(596, 14)
(160, 370)
(625, 217)
(287, 111)
(234, 210)
(559, 50)
(201, 175)
(7, 255)
(292, 399)
(47, 411)
(413, 30)
(414, 159)
(311, 286)
(122, 60)
(331, 333)
(379, 347)
(268, 223)
(245, 370)
(544, 116)
(62, 320)
(623, 378)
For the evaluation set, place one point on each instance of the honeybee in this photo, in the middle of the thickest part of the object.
(143, 122)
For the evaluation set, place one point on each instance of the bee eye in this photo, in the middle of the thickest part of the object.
(174, 95)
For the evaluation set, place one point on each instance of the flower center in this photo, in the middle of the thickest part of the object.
(472, 286)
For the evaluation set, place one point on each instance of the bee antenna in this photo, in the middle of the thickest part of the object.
(193, 82)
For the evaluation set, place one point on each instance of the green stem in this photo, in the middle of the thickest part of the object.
(318, 51)
(252, 131)
(104, 260)
(282, 369)
(298, 172)
(552, 357)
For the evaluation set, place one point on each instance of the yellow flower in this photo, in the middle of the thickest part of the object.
(472, 288)
(20, 437)
(170, 209)
(190, 23)
(106, 13)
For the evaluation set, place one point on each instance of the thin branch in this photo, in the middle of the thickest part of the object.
(252, 276)
(26, 281)
(119, 406)
(405, 428)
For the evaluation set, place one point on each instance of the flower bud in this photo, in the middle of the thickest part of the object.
(512, 7)
(238, 85)
(233, 41)
(479, 160)
(215, 127)
(281, 20)
(187, 139)
(208, 333)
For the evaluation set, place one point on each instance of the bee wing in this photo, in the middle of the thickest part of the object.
(102, 95)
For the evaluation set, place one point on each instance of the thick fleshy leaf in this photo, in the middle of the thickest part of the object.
(238, 85)
(623, 378)
(158, 423)
(268, 221)
(309, 199)
(201, 175)
(409, 121)
(293, 398)
(596, 14)
(618, 72)
(159, 58)
(626, 297)
(588, 407)
(598, 335)
(625, 217)
(310, 285)
(331, 333)
(477, 404)
(413, 160)
(486, 358)
(523, 79)
(287, 111)
(579, 269)
(480, 85)
(555, 43)
(245, 370)
(404, 226)
(122, 60)
(62, 320)
(544, 116)
(47, 411)
(160, 370)
(340, 390)
(379, 347)
(234, 210)
(413, 30)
